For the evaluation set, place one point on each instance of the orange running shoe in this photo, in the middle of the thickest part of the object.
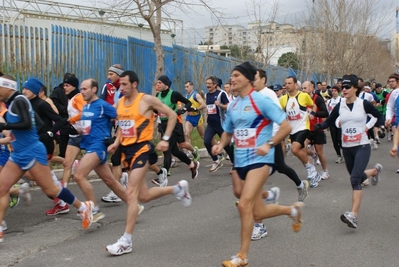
(236, 261)
(297, 220)
(87, 215)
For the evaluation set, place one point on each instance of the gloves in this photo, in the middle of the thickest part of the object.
(109, 141)
(2, 126)
(317, 127)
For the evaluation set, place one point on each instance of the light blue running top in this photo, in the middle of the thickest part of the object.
(250, 119)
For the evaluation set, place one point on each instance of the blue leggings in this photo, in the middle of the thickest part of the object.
(356, 160)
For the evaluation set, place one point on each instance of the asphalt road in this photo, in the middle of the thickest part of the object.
(207, 233)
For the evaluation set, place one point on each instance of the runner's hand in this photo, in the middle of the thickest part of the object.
(263, 150)
(162, 145)
(217, 149)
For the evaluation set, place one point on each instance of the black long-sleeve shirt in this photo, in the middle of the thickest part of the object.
(60, 100)
(20, 107)
(48, 116)
(322, 109)
(176, 97)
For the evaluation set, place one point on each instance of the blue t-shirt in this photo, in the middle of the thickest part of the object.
(216, 115)
(251, 119)
(96, 123)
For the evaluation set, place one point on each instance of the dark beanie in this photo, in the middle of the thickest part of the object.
(247, 69)
(165, 80)
(34, 85)
(72, 81)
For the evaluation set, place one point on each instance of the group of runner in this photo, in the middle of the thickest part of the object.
(251, 120)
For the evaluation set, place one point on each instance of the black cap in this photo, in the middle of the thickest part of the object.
(247, 69)
(165, 80)
(377, 85)
(350, 80)
(72, 81)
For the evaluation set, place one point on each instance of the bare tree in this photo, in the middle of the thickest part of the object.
(153, 12)
(341, 36)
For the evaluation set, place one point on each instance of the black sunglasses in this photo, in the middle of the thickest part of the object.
(346, 86)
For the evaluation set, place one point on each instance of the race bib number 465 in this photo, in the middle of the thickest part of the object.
(245, 138)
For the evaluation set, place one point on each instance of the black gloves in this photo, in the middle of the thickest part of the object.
(2, 126)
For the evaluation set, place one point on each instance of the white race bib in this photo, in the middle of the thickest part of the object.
(128, 128)
(211, 109)
(245, 138)
(86, 126)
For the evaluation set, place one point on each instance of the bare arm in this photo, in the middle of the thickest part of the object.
(201, 101)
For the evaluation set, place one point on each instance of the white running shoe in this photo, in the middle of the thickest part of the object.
(184, 194)
(259, 231)
(120, 247)
(340, 160)
(216, 166)
(366, 182)
(4, 225)
(124, 179)
(163, 178)
(111, 198)
(325, 175)
(276, 196)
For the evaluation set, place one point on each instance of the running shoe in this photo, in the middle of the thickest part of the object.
(163, 178)
(287, 148)
(259, 231)
(376, 179)
(216, 165)
(58, 209)
(1, 236)
(14, 201)
(397, 171)
(87, 215)
(97, 215)
(303, 192)
(111, 198)
(120, 247)
(184, 193)
(340, 160)
(350, 219)
(196, 154)
(221, 157)
(194, 170)
(236, 261)
(366, 182)
(324, 175)
(297, 220)
(141, 209)
(276, 196)
(4, 225)
(173, 163)
(124, 179)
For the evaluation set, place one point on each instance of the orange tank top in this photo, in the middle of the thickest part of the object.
(135, 128)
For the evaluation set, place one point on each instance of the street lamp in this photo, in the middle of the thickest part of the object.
(101, 13)
(141, 25)
(173, 37)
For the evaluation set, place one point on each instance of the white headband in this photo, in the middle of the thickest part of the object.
(6, 83)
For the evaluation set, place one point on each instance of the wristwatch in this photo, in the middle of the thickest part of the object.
(50, 134)
(165, 138)
(270, 143)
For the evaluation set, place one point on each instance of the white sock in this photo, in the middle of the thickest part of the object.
(294, 212)
(308, 165)
(192, 164)
(82, 207)
(301, 185)
(127, 237)
(61, 203)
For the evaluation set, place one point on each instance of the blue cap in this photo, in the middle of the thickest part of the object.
(277, 87)
(34, 85)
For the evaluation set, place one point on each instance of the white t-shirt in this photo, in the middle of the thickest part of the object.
(272, 95)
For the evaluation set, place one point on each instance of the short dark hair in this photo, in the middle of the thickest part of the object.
(292, 77)
(189, 82)
(312, 82)
(262, 74)
(360, 79)
(1, 74)
(318, 82)
(394, 76)
(132, 76)
(44, 89)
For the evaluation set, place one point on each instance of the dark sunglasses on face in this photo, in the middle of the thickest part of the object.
(346, 86)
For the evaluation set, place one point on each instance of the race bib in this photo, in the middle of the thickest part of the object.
(128, 128)
(86, 126)
(12, 137)
(211, 109)
(245, 138)
(351, 135)
(292, 115)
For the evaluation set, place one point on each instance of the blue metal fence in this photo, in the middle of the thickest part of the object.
(36, 52)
